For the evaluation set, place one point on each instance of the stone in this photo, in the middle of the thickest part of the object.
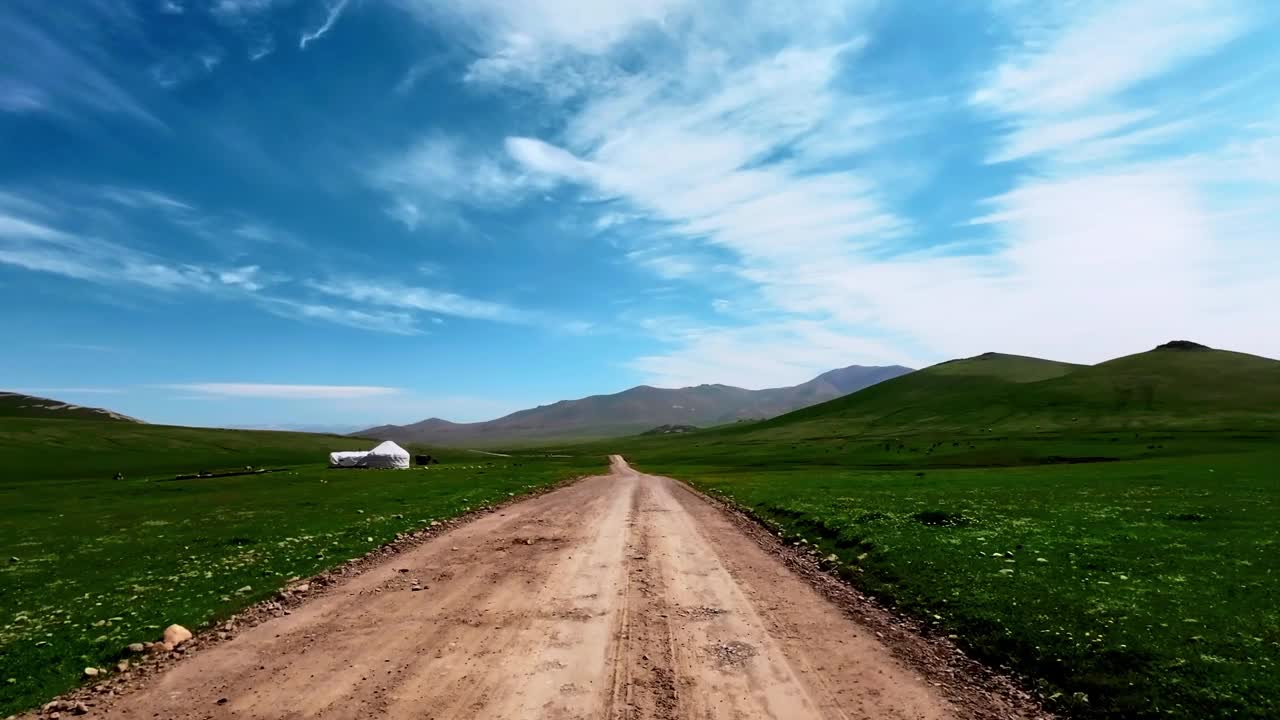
(303, 588)
(136, 647)
(80, 709)
(91, 672)
(122, 666)
(175, 635)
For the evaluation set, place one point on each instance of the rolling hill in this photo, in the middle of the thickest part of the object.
(1175, 385)
(638, 409)
(29, 406)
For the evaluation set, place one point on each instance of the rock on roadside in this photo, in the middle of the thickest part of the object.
(175, 635)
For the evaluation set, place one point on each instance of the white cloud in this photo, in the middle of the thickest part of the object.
(262, 47)
(438, 171)
(238, 11)
(394, 323)
(527, 41)
(1085, 55)
(210, 59)
(140, 198)
(760, 356)
(285, 392)
(417, 298)
(29, 240)
(248, 277)
(42, 248)
(668, 267)
(332, 14)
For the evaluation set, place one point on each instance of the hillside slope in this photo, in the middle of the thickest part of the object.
(41, 448)
(1172, 386)
(29, 406)
(638, 409)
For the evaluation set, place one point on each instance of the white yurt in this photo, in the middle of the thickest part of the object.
(347, 458)
(386, 455)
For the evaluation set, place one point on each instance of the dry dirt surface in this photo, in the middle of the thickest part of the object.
(621, 596)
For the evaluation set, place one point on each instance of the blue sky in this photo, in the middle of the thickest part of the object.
(348, 212)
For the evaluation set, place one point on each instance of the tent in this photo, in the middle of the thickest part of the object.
(351, 458)
(386, 455)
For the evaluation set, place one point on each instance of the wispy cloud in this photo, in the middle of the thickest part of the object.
(238, 11)
(332, 13)
(285, 392)
(85, 347)
(668, 267)
(438, 171)
(759, 356)
(1078, 54)
(394, 323)
(421, 299)
(29, 240)
(753, 139)
(140, 198)
(531, 41)
(261, 47)
(34, 246)
(49, 65)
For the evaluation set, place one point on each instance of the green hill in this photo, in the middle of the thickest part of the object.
(1173, 386)
(29, 406)
(40, 448)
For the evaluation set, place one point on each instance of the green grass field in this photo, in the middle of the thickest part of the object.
(102, 563)
(1110, 533)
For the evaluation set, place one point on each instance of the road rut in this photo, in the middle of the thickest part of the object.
(621, 596)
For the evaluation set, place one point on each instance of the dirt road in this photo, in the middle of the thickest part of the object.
(621, 596)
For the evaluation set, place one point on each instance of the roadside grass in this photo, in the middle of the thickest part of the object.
(99, 563)
(1143, 582)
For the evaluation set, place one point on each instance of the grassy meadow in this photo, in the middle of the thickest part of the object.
(1109, 533)
(91, 564)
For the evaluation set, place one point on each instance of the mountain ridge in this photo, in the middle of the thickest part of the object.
(638, 409)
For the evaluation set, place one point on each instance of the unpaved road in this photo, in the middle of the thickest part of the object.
(621, 596)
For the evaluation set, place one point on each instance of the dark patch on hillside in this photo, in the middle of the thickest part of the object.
(1182, 345)
(670, 430)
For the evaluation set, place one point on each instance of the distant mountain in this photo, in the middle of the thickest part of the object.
(29, 406)
(637, 410)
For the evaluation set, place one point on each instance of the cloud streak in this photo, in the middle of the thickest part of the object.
(333, 12)
(285, 392)
(41, 71)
